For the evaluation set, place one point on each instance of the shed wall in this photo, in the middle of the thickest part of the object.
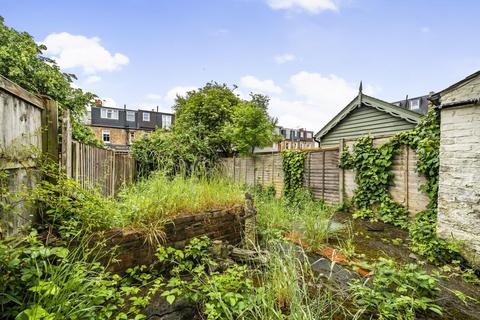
(364, 120)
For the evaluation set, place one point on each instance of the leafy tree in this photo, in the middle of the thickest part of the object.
(23, 62)
(205, 113)
(250, 127)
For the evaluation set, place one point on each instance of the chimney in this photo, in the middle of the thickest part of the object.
(98, 102)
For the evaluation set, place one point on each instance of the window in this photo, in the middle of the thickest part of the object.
(414, 104)
(166, 121)
(109, 114)
(146, 116)
(106, 136)
(309, 135)
(131, 116)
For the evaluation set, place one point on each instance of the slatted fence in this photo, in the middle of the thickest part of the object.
(321, 172)
(104, 169)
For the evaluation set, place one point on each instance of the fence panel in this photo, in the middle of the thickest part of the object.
(100, 168)
(321, 172)
(27, 126)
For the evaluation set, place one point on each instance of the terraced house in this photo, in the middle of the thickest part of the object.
(118, 127)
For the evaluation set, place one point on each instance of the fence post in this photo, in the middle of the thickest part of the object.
(323, 175)
(66, 143)
(341, 174)
(50, 129)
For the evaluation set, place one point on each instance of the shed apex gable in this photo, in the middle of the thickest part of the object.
(365, 100)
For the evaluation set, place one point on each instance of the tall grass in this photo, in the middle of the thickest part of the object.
(162, 197)
(291, 290)
(310, 219)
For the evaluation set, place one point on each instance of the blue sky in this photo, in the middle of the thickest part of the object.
(308, 55)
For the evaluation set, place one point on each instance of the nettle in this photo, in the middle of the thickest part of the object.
(372, 165)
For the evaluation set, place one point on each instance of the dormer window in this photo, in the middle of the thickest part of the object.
(414, 104)
(131, 116)
(109, 114)
(146, 116)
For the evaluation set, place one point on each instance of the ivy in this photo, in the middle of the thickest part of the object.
(293, 166)
(373, 177)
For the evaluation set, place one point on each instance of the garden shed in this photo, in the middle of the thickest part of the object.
(459, 191)
(366, 115)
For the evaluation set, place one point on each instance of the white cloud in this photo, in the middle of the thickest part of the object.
(178, 90)
(310, 99)
(167, 100)
(283, 58)
(311, 6)
(93, 79)
(109, 103)
(263, 86)
(77, 51)
(154, 96)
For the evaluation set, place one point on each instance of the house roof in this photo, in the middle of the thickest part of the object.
(365, 100)
(459, 83)
(469, 96)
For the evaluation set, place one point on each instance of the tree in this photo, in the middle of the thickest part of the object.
(23, 62)
(251, 127)
(205, 113)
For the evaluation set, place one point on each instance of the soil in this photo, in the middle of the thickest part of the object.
(373, 240)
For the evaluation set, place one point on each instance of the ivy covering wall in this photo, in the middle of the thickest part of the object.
(293, 162)
(372, 166)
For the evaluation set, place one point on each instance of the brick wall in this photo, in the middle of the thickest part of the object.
(459, 191)
(133, 248)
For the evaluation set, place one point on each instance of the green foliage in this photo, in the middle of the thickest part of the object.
(221, 295)
(293, 167)
(71, 209)
(397, 292)
(175, 152)
(210, 122)
(205, 113)
(373, 177)
(23, 62)
(424, 240)
(250, 127)
(42, 282)
(149, 203)
(310, 219)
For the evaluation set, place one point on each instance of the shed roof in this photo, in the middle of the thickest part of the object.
(365, 100)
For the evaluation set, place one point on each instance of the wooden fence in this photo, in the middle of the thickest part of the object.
(28, 126)
(321, 173)
(104, 169)
(326, 180)
(406, 182)
(28, 123)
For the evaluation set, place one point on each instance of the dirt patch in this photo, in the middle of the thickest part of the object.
(373, 240)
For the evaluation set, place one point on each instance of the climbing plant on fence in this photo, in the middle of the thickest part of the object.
(373, 177)
(293, 162)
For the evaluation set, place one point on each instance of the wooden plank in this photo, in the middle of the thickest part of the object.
(21, 93)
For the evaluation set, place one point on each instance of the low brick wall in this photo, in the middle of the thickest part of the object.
(218, 224)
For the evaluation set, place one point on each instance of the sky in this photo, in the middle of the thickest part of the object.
(308, 56)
